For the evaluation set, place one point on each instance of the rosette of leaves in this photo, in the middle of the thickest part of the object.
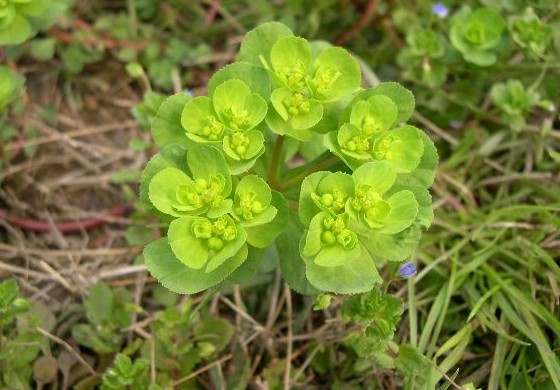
(228, 118)
(20, 19)
(530, 33)
(11, 86)
(476, 34)
(367, 135)
(423, 56)
(308, 79)
(515, 102)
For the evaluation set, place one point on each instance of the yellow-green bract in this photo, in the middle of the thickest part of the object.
(215, 180)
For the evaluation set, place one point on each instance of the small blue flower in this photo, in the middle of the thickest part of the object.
(440, 10)
(189, 92)
(407, 269)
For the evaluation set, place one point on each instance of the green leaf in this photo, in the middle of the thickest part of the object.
(402, 97)
(375, 115)
(402, 147)
(379, 175)
(179, 278)
(358, 274)
(256, 45)
(290, 58)
(201, 122)
(11, 86)
(43, 49)
(99, 304)
(166, 125)
(291, 263)
(424, 174)
(16, 32)
(264, 235)
(336, 74)
(195, 251)
(214, 330)
(255, 77)
(409, 361)
(205, 161)
(164, 193)
(170, 156)
(404, 209)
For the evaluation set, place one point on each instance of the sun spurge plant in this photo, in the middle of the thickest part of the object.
(222, 186)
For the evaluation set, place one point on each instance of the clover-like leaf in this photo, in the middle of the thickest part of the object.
(177, 277)
(336, 74)
(290, 58)
(202, 242)
(237, 107)
(252, 202)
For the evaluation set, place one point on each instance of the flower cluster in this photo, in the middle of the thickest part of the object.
(207, 182)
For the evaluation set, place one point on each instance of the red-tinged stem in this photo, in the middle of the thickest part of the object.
(66, 226)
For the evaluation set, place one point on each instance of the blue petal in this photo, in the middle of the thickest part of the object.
(407, 269)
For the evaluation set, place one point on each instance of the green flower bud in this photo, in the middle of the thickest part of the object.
(215, 243)
(327, 199)
(328, 238)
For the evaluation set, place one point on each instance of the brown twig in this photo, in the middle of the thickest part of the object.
(362, 22)
(64, 227)
(108, 43)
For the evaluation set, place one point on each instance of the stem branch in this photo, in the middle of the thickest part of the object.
(299, 178)
(273, 170)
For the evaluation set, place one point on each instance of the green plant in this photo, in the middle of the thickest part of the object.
(515, 101)
(107, 311)
(126, 374)
(220, 186)
(19, 342)
(476, 34)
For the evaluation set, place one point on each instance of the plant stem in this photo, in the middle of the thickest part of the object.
(273, 169)
(299, 178)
